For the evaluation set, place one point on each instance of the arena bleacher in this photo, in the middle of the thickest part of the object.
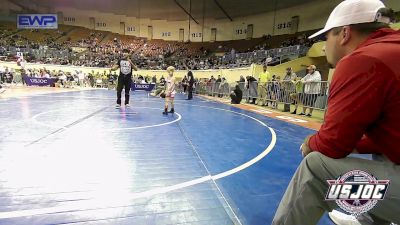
(101, 48)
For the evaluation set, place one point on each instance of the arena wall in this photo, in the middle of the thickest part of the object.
(311, 16)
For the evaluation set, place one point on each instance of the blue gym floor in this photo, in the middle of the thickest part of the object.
(71, 158)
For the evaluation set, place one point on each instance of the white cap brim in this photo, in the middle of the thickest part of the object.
(318, 33)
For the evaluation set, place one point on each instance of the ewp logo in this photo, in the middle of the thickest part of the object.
(37, 21)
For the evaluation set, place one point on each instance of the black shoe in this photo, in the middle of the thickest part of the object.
(172, 111)
(309, 115)
(302, 114)
(165, 113)
(294, 112)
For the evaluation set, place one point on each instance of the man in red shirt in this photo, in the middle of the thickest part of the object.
(363, 116)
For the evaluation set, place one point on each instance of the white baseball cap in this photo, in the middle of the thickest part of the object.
(354, 12)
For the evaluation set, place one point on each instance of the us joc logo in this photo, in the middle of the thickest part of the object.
(357, 191)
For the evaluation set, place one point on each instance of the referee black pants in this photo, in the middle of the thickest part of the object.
(124, 81)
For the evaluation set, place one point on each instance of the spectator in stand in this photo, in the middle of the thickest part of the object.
(191, 82)
(162, 79)
(274, 90)
(212, 79)
(2, 74)
(160, 90)
(298, 95)
(81, 78)
(62, 78)
(222, 87)
(312, 88)
(147, 80)
(184, 83)
(91, 79)
(251, 87)
(263, 79)
(218, 79)
(241, 79)
(288, 88)
(236, 95)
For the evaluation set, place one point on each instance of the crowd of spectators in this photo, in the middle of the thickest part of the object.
(100, 49)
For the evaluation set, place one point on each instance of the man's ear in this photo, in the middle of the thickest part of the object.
(345, 35)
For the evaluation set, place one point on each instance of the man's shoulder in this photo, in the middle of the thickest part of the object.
(354, 66)
(357, 61)
(361, 55)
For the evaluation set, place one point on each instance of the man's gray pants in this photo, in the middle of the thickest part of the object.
(304, 200)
